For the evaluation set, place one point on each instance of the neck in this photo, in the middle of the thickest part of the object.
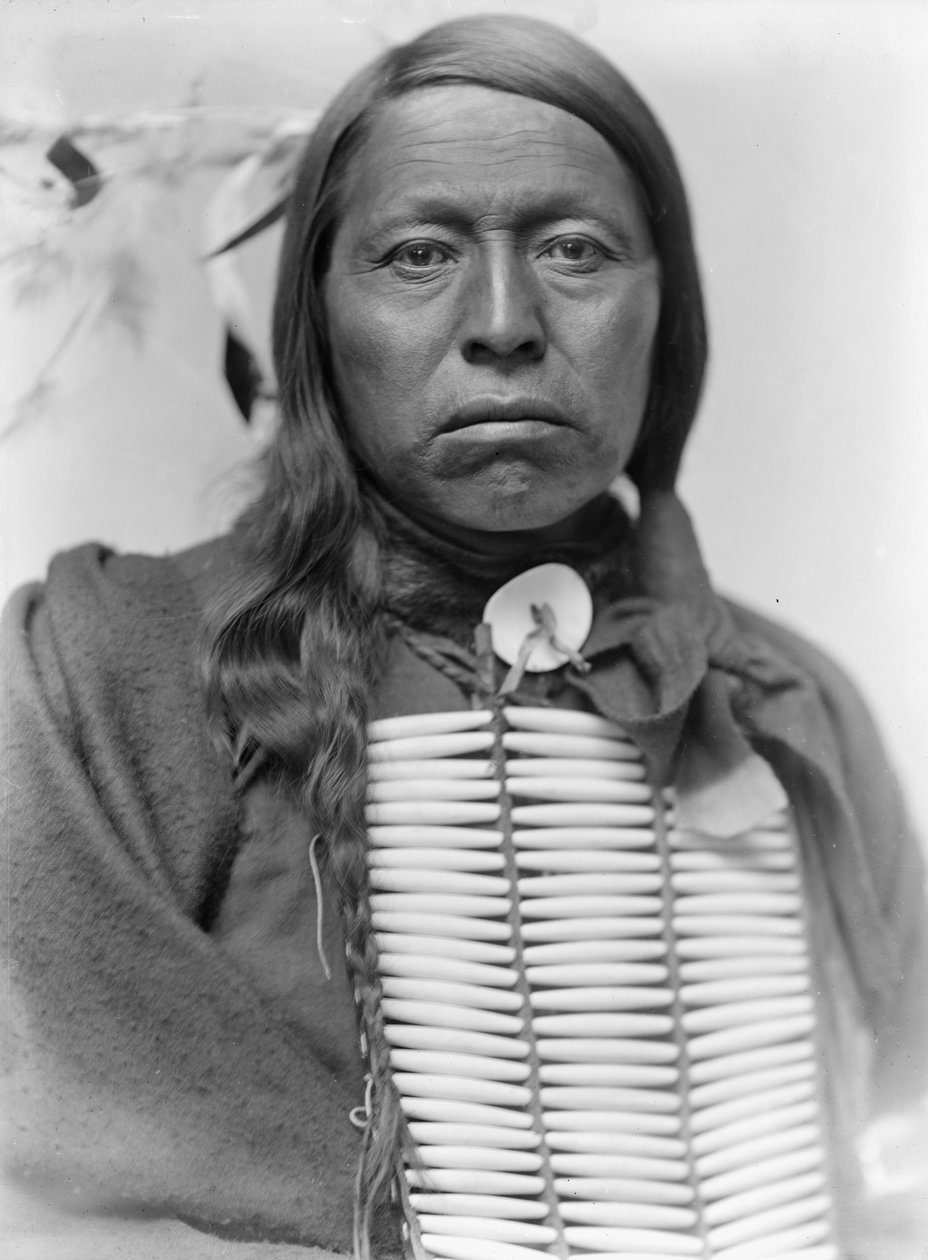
(439, 579)
(509, 544)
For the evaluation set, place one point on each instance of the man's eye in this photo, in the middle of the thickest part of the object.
(576, 250)
(421, 255)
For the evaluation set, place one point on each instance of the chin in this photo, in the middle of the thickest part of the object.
(545, 507)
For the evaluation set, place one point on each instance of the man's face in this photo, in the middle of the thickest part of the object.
(492, 298)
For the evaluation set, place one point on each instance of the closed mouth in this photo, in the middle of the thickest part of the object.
(504, 410)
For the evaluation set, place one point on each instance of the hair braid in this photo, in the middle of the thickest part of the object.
(385, 1132)
(335, 789)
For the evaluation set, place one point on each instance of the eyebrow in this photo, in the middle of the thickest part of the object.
(441, 208)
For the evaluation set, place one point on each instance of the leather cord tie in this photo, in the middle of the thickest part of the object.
(545, 632)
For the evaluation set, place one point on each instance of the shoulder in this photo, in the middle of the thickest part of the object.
(892, 851)
(139, 587)
(845, 706)
(111, 640)
(98, 604)
(105, 710)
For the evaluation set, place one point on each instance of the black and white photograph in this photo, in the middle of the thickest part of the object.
(464, 689)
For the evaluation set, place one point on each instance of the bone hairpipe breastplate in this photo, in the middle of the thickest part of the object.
(600, 1027)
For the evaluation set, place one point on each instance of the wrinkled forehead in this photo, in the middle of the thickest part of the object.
(459, 115)
(485, 148)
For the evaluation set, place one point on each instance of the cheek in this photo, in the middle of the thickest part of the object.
(379, 355)
(636, 321)
(620, 354)
(381, 367)
(357, 346)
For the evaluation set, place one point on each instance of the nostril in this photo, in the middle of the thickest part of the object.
(495, 348)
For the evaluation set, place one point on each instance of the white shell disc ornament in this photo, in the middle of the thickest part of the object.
(511, 620)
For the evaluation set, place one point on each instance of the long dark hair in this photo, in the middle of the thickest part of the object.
(292, 649)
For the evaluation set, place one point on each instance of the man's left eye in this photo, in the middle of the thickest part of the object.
(577, 250)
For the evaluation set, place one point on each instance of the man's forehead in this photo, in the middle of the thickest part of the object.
(467, 122)
(441, 147)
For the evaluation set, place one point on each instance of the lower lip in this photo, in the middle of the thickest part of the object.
(528, 430)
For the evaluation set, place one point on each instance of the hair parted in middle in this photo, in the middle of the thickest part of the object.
(292, 649)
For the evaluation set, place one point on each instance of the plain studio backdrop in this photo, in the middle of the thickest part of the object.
(800, 127)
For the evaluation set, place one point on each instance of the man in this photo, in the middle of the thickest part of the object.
(488, 311)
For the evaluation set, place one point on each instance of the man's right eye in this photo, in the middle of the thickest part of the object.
(421, 255)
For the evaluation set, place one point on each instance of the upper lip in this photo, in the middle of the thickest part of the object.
(487, 409)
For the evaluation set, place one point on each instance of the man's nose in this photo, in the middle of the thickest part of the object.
(503, 309)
